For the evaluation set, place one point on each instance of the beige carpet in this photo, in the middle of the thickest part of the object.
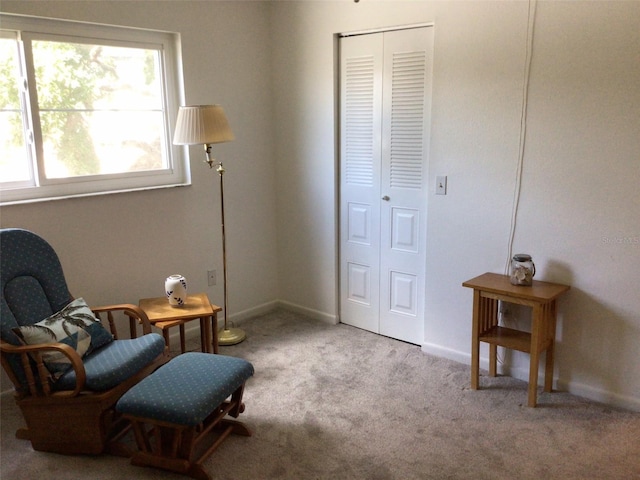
(335, 402)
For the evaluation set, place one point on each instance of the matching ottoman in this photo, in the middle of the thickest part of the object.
(178, 412)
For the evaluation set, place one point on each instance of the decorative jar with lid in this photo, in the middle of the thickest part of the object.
(175, 287)
(522, 269)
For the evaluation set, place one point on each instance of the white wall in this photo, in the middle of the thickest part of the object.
(580, 198)
(580, 178)
(121, 247)
(273, 66)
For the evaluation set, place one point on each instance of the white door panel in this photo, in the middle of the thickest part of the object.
(405, 224)
(360, 146)
(359, 284)
(405, 148)
(359, 223)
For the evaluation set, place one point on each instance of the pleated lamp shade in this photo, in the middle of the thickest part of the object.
(201, 124)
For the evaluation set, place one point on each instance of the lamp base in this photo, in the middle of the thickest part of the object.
(231, 336)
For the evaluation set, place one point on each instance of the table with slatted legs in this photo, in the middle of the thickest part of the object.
(490, 288)
(197, 306)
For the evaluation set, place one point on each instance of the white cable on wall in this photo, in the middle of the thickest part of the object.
(523, 128)
(531, 18)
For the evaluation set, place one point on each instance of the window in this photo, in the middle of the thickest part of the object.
(86, 109)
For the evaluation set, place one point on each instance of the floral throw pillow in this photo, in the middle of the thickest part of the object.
(74, 325)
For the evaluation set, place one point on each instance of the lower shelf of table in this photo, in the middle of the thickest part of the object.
(508, 338)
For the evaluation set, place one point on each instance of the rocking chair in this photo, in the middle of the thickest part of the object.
(67, 368)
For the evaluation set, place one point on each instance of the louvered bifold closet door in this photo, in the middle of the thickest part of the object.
(360, 134)
(385, 124)
(405, 148)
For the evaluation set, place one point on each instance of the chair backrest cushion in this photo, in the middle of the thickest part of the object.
(32, 284)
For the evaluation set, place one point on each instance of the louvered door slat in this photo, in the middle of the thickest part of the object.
(407, 124)
(359, 97)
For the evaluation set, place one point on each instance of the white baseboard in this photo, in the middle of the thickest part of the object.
(309, 312)
(595, 394)
(192, 330)
(600, 395)
(252, 312)
(443, 352)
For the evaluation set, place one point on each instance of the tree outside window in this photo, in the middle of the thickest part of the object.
(76, 109)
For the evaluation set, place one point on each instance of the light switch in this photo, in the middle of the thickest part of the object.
(441, 185)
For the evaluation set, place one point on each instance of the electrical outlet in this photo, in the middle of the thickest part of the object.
(441, 185)
(211, 275)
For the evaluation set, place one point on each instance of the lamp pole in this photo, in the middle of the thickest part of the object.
(228, 336)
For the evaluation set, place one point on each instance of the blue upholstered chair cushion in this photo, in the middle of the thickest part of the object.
(187, 389)
(115, 362)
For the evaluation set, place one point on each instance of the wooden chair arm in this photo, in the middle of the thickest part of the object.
(135, 314)
(34, 352)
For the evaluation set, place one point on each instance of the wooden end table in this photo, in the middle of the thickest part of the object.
(197, 306)
(490, 288)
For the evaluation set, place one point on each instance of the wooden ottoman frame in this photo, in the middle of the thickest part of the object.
(173, 444)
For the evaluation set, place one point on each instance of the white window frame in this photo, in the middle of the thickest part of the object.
(168, 44)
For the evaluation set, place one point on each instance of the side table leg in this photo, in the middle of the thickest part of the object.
(550, 314)
(183, 346)
(493, 360)
(475, 341)
(204, 342)
(214, 328)
(534, 354)
(205, 329)
(533, 380)
(165, 334)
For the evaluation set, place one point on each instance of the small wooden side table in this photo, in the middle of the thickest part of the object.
(165, 316)
(488, 289)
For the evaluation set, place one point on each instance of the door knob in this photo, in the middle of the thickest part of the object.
(386, 198)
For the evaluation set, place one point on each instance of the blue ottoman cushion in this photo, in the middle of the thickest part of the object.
(187, 389)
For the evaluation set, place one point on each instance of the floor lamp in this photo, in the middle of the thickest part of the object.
(206, 125)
